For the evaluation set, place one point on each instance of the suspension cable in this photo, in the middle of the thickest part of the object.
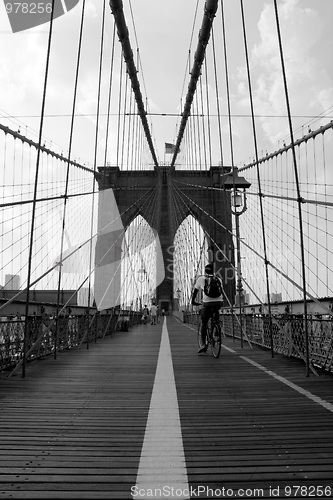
(255, 141)
(46, 74)
(65, 196)
(77, 248)
(117, 11)
(299, 201)
(255, 252)
(204, 35)
(108, 114)
(217, 98)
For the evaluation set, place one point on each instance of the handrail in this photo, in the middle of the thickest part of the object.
(311, 135)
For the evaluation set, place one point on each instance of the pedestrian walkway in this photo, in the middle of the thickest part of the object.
(143, 415)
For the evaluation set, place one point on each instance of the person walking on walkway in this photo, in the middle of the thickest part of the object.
(212, 299)
(145, 314)
(153, 312)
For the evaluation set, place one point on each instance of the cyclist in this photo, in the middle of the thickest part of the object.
(153, 313)
(212, 299)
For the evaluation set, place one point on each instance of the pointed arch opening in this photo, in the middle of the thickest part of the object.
(190, 258)
(139, 265)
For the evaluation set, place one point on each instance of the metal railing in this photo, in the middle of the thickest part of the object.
(288, 331)
(72, 332)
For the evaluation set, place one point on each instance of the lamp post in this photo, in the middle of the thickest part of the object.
(238, 186)
(141, 277)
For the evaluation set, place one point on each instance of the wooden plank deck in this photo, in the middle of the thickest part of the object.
(74, 427)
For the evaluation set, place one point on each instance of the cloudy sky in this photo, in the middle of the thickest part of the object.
(165, 35)
(163, 31)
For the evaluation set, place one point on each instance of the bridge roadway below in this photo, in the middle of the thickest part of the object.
(120, 420)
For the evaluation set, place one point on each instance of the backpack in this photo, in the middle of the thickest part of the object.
(213, 287)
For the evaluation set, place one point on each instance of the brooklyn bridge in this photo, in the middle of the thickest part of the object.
(141, 142)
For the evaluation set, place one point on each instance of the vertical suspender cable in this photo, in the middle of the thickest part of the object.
(203, 125)
(135, 158)
(208, 116)
(124, 125)
(95, 170)
(212, 193)
(326, 214)
(227, 85)
(191, 159)
(299, 198)
(21, 208)
(239, 276)
(188, 64)
(198, 142)
(258, 177)
(118, 13)
(34, 203)
(130, 120)
(67, 178)
(119, 107)
(217, 99)
(316, 210)
(134, 126)
(12, 229)
(109, 96)
(204, 35)
(4, 160)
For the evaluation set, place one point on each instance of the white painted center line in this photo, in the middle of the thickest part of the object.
(162, 462)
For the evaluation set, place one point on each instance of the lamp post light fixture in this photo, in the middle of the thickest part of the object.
(142, 273)
(238, 185)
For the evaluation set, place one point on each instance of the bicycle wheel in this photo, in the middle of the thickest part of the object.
(215, 339)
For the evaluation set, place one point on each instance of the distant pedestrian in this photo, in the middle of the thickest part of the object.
(153, 312)
(145, 314)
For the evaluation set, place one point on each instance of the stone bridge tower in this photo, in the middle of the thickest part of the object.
(130, 191)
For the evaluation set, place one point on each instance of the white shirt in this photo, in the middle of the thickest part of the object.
(153, 310)
(200, 283)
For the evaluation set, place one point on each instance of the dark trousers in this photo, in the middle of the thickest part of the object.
(208, 310)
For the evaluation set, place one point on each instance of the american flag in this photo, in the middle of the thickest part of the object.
(169, 148)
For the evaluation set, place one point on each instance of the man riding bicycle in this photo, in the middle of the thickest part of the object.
(212, 300)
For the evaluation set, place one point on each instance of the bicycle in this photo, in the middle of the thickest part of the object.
(213, 336)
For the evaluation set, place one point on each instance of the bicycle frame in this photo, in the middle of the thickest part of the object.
(215, 343)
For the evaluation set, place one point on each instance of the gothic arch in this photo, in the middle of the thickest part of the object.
(215, 216)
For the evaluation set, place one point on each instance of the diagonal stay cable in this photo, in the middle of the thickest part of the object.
(227, 259)
(299, 287)
(70, 298)
(78, 248)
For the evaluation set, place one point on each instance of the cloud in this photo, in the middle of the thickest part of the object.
(310, 84)
(21, 70)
